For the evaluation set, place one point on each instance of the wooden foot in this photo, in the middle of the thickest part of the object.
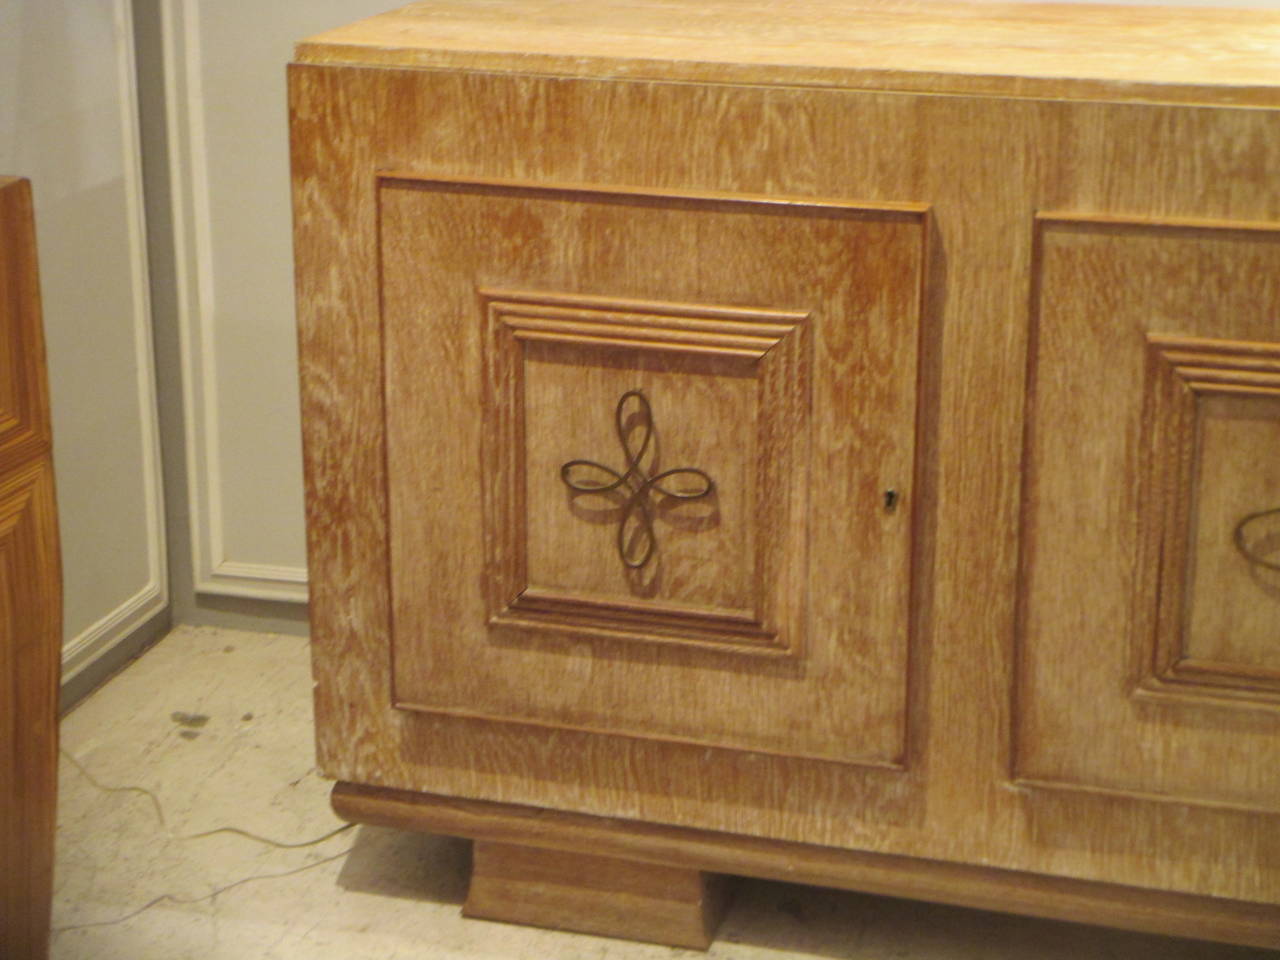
(675, 906)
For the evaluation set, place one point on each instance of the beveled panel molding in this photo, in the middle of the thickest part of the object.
(770, 346)
(1186, 374)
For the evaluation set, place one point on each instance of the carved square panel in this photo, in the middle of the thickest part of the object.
(654, 402)
(1217, 417)
(756, 598)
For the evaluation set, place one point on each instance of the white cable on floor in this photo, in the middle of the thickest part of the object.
(159, 809)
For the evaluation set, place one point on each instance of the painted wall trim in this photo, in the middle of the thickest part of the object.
(116, 626)
(213, 571)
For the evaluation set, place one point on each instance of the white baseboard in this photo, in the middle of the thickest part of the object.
(256, 581)
(96, 642)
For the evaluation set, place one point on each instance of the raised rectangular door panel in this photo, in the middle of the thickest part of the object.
(1148, 637)
(541, 340)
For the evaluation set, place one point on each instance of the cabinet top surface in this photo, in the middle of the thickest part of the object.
(1056, 51)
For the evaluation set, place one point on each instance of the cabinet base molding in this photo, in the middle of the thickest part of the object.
(511, 883)
(585, 893)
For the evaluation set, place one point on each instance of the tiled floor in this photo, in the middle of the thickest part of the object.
(212, 729)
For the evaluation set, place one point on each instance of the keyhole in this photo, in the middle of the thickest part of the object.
(890, 500)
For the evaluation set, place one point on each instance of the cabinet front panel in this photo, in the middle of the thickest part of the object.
(1150, 630)
(650, 462)
(983, 166)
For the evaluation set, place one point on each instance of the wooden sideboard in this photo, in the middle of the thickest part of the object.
(831, 441)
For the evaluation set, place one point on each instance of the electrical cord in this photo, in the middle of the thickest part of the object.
(155, 802)
(159, 811)
(208, 896)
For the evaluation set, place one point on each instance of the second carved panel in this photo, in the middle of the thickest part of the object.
(1149, 606)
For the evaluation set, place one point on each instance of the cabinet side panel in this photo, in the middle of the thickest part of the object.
(340, 357)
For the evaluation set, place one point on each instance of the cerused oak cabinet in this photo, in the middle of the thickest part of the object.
(831, 441)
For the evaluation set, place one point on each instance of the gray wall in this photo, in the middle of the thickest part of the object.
(68, 121)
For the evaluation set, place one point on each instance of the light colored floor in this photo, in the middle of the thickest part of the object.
(212, 729)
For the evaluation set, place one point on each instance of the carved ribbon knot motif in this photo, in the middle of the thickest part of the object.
(636, 537)
(1257, 537)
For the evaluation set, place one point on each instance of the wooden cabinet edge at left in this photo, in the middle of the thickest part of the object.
(30, 594)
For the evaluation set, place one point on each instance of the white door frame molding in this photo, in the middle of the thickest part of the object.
(95, 641)
(214, 571)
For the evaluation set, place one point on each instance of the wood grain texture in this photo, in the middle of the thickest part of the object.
(30, 595)
(1223, 629)
(587, 893)
(551, 547)
(24, 400)
(776, 431)
(996, 49)
(982, 167)
(964, 885)
(1141, 328)
(1234, 609)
